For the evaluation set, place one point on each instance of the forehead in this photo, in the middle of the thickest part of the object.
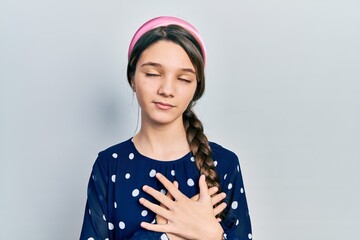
(167, 54)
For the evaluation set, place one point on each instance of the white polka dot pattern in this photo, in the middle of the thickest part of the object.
(144, 213)
(152, 173)
(110, 226)
(129, 176)
(135, 193)
(190, 182)
(164, 237)
(121, 225)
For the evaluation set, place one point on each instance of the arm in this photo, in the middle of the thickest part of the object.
(236, 224)
(95, 225)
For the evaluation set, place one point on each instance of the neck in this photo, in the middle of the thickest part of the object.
(162, 142)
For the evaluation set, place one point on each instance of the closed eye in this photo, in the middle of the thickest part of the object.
(152, 75)
(185, 80)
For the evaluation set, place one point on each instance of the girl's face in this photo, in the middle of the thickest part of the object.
(165, 83)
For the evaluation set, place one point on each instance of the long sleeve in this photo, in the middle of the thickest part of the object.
(113, 211)
(236, 224)
(95, 225)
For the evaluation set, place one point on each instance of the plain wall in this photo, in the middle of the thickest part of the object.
(283, 92)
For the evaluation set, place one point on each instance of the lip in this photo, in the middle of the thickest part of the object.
(164, 106)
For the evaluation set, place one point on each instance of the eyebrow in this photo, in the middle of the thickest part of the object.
(153, 64)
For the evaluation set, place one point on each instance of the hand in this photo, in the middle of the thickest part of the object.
(186, 218)
(215, 198)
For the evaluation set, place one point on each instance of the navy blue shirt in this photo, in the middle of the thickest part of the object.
(113, 210)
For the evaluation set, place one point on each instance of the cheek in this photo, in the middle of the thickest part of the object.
(188, 95)
(141, 95)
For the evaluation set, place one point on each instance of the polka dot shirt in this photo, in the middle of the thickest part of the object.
(113, 210)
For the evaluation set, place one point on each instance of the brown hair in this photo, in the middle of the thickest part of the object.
(196, 138)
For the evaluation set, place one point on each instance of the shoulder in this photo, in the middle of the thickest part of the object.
(222, 155)
(117, 149)
(114, 152)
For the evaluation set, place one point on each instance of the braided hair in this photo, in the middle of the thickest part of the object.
(196, 138)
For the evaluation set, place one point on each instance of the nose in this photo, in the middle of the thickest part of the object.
(166, 87)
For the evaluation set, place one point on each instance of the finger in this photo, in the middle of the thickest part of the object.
(168, 194)
(217, 198)
(164, 200)
(212, 191)
(169, 186)
(156, 227)
(176, 184)
(204, 193)
(218, 209)
(160, 219)
(155, 208)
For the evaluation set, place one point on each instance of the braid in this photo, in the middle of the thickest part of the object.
(200, 148)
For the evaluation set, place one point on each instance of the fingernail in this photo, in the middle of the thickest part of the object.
(145, 187)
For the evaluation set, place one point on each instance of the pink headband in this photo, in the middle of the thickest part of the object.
(165, 21)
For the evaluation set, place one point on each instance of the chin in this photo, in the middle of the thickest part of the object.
(165, 120)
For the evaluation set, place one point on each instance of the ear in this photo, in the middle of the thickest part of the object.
(133, 85)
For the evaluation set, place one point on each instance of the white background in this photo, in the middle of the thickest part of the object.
(283, 92)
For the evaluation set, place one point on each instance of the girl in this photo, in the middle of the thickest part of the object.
(168, 181)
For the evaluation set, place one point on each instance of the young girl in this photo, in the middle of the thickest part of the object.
(168, 181)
